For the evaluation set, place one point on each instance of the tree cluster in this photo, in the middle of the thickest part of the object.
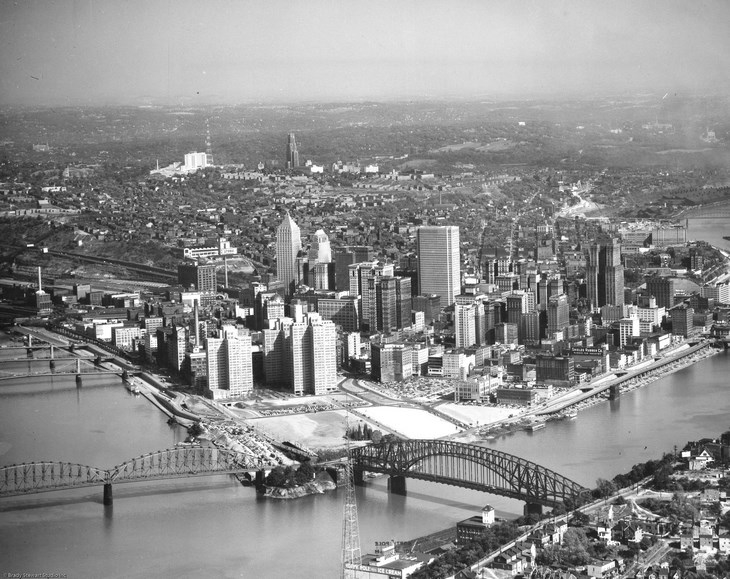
(365, 432)
(288, 477)
(451, 562)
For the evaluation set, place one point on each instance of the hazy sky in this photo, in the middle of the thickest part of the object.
(129, 51)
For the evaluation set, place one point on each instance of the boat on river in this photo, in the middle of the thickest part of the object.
(129, 383)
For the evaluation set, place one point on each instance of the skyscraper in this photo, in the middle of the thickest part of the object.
(288, 245)
(301, 355)
(292, 155)
(558, 313)
(230, 366)
(662, 288)
(465, 325)
(439, 262)
(605, 274)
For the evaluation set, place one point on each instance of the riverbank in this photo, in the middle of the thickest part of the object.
(529, 419)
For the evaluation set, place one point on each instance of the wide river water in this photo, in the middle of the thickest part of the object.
(214, 527)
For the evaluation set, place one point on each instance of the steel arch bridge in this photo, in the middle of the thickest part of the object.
(178, 462)
(469, 466)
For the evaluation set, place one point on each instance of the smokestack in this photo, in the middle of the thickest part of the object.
(40, 281)
(197, 326)
(225, 270)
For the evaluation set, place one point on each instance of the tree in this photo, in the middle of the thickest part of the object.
(604, 488)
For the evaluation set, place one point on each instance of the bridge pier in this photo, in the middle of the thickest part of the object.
(259, 480)
(51, 351)
(108, 498)
(52, 365)
(614, 391)
(397, 484)
(358, 476)
(532, 509)
(78, 365)
(78, 381)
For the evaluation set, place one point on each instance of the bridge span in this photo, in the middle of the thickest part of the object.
(469, 466)
(180, 462)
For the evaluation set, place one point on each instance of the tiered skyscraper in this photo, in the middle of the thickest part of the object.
(439, 262)
(288, 245)
(292, 155)
(605, 274)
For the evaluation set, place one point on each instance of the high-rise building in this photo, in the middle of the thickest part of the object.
(288, 245)
(465, 325)
(605, 274)
(230, 365)
(558, 314)
(364, 278)
(662, 288)
(439, 270)
(301, 355)
(203, 277)
(391, 308)
(292, 154)
(195, 161)
(320, 251)
(682, 321)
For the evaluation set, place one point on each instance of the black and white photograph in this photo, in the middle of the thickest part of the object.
(390, 289)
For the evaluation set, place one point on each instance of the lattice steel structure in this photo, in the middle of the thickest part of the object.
(172, 463)
(351, 554)
(469, 466)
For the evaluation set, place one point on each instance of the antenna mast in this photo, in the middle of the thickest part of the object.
(350, 527)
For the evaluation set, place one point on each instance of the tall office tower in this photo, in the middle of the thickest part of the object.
(203, 277)
(682, 321)
(288, 245)
(558, 313)
(360, 276)
(404, 301)
(662, 288)
(230, 366)
(517, 304)
(605, 274)
(480, 322)
(465, 325)
(529, 330)
(343, 258)
(320, 251)
(439, 270)
(292, 154)
(391, 307)
(319, 275)
(177, 346)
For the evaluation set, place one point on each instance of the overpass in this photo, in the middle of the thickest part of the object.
(614, 386)
(180, 462)
(468, 466)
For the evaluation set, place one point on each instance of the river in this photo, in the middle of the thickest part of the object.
(214, 527)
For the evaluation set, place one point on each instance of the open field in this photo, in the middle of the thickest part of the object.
(319, 430)
(410, 422)
(477, 415)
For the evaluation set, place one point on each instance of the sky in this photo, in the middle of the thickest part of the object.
(55, 52)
